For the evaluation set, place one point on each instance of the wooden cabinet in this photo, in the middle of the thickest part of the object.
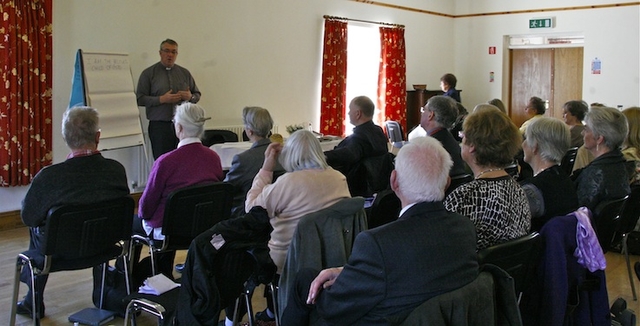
(416, 99)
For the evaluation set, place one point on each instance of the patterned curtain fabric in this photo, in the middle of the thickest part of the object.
(25, 92)
(392, 82)
(334, 78)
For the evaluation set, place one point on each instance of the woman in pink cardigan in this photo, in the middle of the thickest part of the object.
(308, 185)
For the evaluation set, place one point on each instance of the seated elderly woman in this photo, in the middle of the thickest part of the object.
(244, 166)
(494, 201)
(605, 177)
(189, 164)
(550, 192)
(309, 185)
(631, 148)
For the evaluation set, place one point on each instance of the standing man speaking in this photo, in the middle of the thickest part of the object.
(161, 87)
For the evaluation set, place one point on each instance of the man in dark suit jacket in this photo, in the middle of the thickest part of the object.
(438, 115)
(85, 177)
(396, 267)
(367, 141)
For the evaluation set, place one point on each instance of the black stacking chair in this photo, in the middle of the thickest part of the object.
(217, 136)
(628, 219)
(189, 212)
(606, 220)
(458, 180)
(517, 257)
(568, 160)
(78, 237)
(385, 208)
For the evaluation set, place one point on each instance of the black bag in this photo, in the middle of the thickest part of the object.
(115, 289)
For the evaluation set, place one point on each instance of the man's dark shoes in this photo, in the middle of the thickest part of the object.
(263, 316)
(24, 308)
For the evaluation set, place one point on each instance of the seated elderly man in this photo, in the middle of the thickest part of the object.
(367, 141)
(396, 267)
(438, 115)
(85, 177)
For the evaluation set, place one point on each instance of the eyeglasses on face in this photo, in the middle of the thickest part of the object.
(169, 51)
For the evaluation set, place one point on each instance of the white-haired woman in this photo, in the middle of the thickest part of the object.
(309, 185)
(605, 177)
(550, 192)
(189, 164)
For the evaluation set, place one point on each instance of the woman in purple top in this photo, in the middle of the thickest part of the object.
(189, 164)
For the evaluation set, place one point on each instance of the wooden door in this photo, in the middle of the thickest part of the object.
(554, 75)
(567, 79)
(531, 75)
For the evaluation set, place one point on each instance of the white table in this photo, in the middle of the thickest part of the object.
(227, 151)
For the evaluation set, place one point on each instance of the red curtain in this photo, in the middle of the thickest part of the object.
(25, 92)
(392, 82)
(334, 78)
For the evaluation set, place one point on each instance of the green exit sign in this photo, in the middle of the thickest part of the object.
(541, 23)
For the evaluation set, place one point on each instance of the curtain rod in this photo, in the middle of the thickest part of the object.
(362, 21)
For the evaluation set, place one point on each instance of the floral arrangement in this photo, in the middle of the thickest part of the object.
(293, 128)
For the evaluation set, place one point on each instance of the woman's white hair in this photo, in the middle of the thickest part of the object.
(191, 117)
(422, 170)
(302, 151)
(551, 136)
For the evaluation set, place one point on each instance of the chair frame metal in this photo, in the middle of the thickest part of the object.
(181, 224)
(81, 245)
(628, 218)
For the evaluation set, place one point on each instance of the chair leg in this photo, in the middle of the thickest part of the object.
(625, 251)
(34, 293)
(16, 290)
(274, 296)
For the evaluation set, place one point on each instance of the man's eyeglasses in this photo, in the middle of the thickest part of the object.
(169, 51)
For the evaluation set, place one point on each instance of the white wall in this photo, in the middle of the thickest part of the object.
(611, 34)
(243, 52)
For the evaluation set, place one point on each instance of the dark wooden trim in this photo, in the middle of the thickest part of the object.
(526, 11)
(11, 220)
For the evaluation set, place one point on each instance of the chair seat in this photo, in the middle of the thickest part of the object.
(62, 264)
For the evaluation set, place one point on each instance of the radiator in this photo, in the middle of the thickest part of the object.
(240, 128)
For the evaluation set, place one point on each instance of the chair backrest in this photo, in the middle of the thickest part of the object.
(385, 208)
(321, 240)
(394, 131)
(516, 257)
(569, 159)
(193, 210)
(80, 232)
(630, 212)
(371, 175)
(512, 169)
(606, 219)
(217, 136)
(458, 180)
